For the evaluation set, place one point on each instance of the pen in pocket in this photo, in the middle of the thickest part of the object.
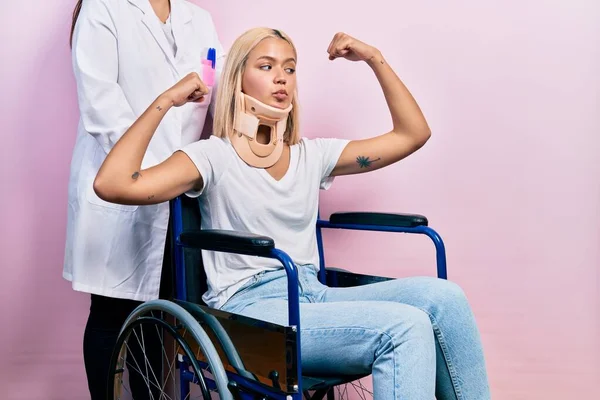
(208, 67)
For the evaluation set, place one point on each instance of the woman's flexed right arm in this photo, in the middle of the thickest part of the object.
(120, 178)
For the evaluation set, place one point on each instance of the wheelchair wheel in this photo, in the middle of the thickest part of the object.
(160, 350)
(360, 389)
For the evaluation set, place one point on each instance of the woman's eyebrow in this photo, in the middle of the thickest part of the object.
(269, 58)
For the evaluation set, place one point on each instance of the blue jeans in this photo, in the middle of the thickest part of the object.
(417, 336)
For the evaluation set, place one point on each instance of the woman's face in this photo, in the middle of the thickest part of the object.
(270, 73)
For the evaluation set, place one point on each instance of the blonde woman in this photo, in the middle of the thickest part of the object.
(417, 336)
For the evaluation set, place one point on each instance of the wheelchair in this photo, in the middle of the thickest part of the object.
(209, 353)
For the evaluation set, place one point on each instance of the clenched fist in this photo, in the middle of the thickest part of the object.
(345, 46)
(189, 89)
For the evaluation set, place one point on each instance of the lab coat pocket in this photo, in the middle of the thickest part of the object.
(193, 118)
(93, 198)
(207, 99)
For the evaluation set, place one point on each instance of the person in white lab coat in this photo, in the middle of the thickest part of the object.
(125, 53)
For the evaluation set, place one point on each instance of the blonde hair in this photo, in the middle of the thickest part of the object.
(230, 83)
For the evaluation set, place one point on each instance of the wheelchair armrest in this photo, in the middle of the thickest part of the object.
(228, 241)
(378, 219)
(249, 244)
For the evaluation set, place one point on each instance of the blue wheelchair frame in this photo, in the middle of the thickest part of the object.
(250, 244)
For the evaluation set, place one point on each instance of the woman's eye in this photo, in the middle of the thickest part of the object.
(290, 70)
(265, 67)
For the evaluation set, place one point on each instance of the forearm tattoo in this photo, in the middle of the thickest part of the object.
(380, 61)
(365, 162)
(159, 108)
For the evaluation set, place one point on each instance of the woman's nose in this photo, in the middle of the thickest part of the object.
(280, 79)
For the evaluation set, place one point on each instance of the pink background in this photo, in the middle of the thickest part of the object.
(510, 177)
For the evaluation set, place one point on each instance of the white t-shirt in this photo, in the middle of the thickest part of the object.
(239, 197)
(168, 30)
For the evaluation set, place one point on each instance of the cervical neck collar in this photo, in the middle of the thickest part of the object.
(251, 116)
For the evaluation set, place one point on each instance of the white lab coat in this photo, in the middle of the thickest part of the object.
(122, 61)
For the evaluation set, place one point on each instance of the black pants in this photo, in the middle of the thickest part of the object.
(105, 320)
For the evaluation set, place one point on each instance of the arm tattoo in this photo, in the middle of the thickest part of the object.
(150, 197)
(159, 108)
(365, 162)
(135, 175)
